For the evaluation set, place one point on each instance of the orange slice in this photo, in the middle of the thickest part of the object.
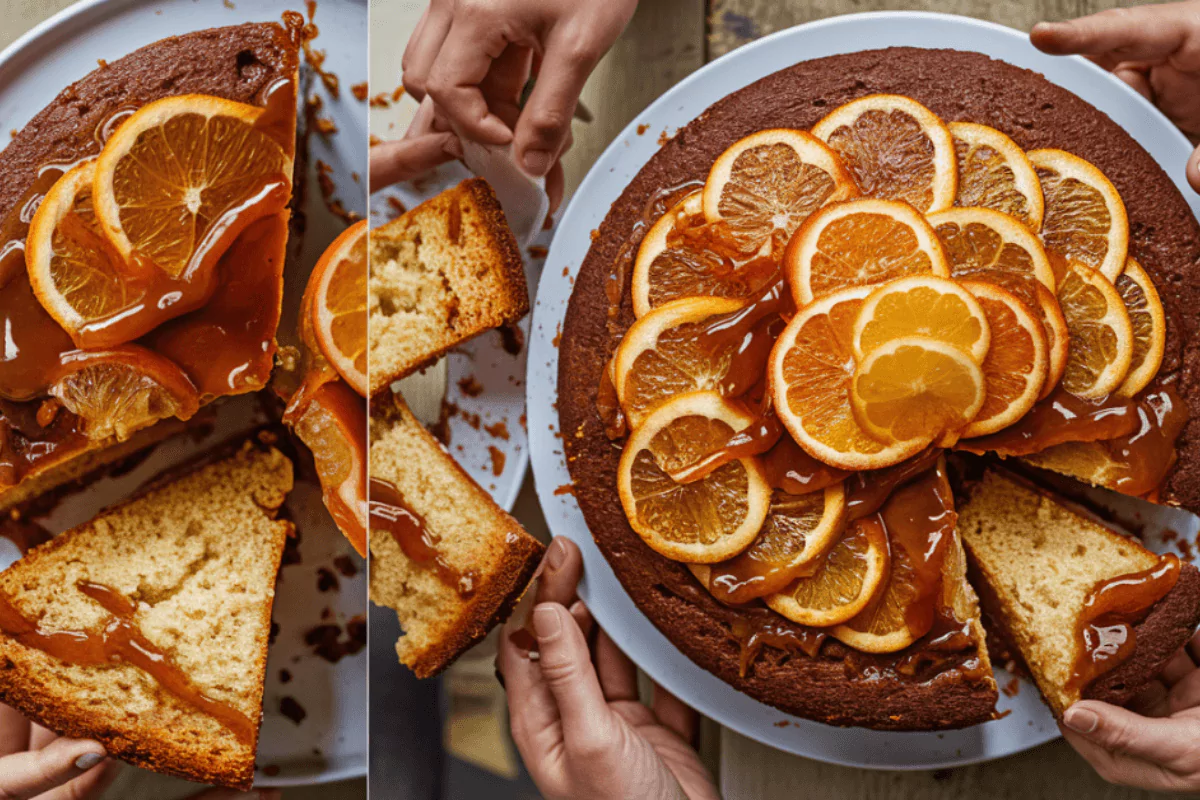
(1085, 218)
(810, 372)
(765, 185)
(922, 305)
(710, 520)
(1101, 335)
(1149, 327)
(664, 354)
(917, 388)
(339, 305)
(849, 576)
(860, 243)
(895, 148)
(1058, 337)
(1016, 363)
(182, 177)
(798, 531)
(994, 173)
(119, 391)
(979, 242)
(333, 426)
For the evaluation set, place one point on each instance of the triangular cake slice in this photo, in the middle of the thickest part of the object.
(444, 556)
(147, 627)
(1040, 564)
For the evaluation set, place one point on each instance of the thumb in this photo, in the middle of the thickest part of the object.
(1193, 170)
(1155, 739)
(35, 772)
(566, 666)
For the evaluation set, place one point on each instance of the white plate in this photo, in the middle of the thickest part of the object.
(331, 742)
(1029, 723)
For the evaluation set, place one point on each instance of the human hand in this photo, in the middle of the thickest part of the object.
(574, 708)
(474, 57)
(36, 763)
(1155, 49)
(1156, 743)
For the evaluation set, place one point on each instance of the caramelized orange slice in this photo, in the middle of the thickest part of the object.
(1085, 218)
(895, 148)
(845, 581)
(333, 426)
(1016, 363)
(339, 305)
(1101, 335)
(765, 185)
(704, 522)
(922, 305)
(180, 179)
(811, 368)
(860, 243)
(994, 173)
(119, 391)
(917, 388)
(1149, 327)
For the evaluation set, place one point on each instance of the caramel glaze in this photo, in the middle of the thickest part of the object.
(1104, 632)
(121, 641)
(390, 513)
(225, 346)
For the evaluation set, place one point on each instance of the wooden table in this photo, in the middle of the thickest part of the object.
(666, 41)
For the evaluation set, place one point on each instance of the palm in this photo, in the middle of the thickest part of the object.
(675, 754)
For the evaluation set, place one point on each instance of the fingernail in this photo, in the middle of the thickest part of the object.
(88, 760)
(537, 162)
(1081, 720)
(546, 623)
(557, 554)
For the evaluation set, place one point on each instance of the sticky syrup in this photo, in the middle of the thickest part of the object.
(121, 641)
(756, 628)
(1061, 417)
(390, 513)
(1143, 458)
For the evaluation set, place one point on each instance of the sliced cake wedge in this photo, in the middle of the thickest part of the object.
(1092, 612)
(444, 556)
(147, 627)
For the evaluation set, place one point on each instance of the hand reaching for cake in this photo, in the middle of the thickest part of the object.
(422, 148)
(1155, 49)
(576, 717)
(1155, 744)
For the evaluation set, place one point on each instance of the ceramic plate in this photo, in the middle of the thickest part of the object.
(1026, 722)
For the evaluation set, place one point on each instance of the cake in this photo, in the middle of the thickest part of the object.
(147, 627)
(186, 352)
(619, 320)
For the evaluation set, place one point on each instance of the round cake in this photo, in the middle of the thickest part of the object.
(756, 651)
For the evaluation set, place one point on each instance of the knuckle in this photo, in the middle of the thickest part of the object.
(548, 122)
(558, 670)
(580, 47)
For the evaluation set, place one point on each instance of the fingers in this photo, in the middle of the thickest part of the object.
(1193, 176)
(462, 64)
(35, 772)
(1185, 694)
(561, 569)
(1177, 668)
(617, 674)
(91, 784)
(566, 667)
(1137, 79)
(545, 122)
(1152, 701)
(672, 712)
(1117, 730)
(14, 731)
(1149, 33)
(423, 47)
(406, 159)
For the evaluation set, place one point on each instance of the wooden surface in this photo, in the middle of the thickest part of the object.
(667, 40)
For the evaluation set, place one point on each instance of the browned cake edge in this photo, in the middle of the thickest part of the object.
(502, 242)
(1164, 237)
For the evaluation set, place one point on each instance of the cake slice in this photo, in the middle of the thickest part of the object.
(440, 274)
(444, 556)
(1036, 560)
(185, 571)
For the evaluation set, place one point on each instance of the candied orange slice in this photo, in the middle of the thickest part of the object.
(994, 173)
(810, 372)
(1101, 335)
(917, 388)
(922, 305)
(765, 185)
(845, 581)
(860, 243)
(979, 242)
(1149, 327)
(1085, 218)
(684, 256)
(339, 305)
(895, 149)
(799, 529)
(710, 520)
(1058, 337)
(1016, 363)
(180, 179)
(118, 391)
(333, 426)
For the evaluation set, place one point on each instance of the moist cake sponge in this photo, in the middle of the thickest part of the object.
(475, 537)
(198, 555)
(1035, 560)
(442, 273)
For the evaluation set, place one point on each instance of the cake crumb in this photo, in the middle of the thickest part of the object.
(566, 488)
(290, 708)
(360, 91)
(498, 458)
(470, 386)
(641, 129)
(498, 430)
(1012, 688)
